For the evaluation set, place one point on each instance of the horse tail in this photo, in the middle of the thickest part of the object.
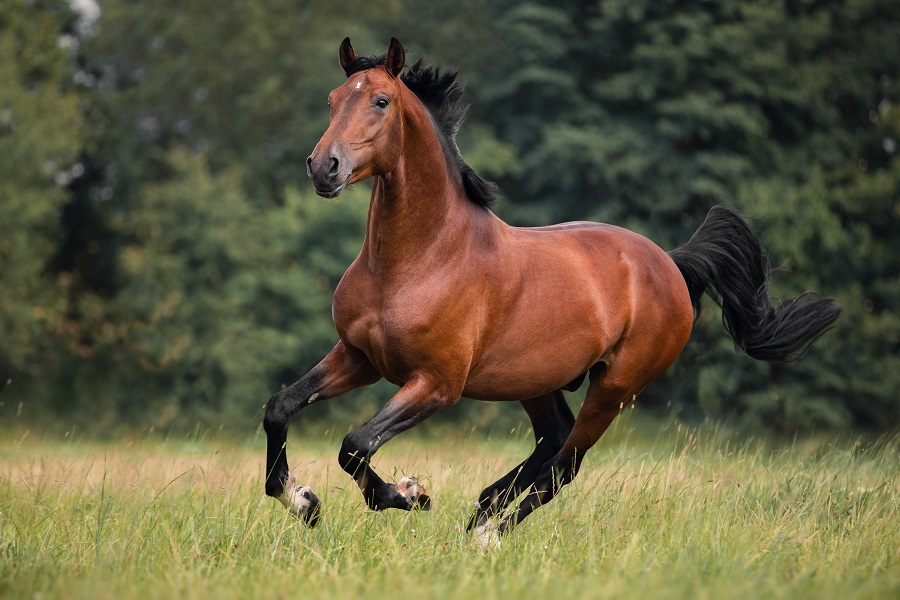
(725, 260)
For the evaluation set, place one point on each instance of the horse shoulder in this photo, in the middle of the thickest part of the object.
(355, 307)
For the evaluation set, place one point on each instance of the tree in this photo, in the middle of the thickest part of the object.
(41, 130)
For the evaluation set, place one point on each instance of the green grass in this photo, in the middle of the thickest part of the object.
(685, 513)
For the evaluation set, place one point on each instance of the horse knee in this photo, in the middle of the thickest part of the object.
(353, 455)
(275, 418)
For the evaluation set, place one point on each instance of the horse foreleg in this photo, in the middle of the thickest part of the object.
(342, 370)
(552, 420)
(417, 400)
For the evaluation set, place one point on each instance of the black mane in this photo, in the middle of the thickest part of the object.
(440, 92)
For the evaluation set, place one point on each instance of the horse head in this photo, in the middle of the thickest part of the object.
(363, 136)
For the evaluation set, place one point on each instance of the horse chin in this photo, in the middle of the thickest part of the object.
(334, 193)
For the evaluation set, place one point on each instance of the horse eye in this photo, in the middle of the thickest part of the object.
(382, 103)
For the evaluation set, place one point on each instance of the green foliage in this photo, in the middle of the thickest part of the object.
(206, 317)
(162, 258)
(40, 136)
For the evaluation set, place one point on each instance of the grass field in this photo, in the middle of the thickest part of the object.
(670, 513)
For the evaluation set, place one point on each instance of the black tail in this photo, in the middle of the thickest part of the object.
(724, 259)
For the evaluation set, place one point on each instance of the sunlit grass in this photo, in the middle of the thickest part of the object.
(686, 513)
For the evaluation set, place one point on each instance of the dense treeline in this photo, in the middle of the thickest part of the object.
(163, 259)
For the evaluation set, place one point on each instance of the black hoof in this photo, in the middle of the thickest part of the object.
(314, 512)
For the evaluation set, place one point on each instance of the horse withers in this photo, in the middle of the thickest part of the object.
(446, 300)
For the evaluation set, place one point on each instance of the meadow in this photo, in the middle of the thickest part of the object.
(658, 512)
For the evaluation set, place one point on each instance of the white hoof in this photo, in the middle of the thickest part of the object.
(415, 493)
(300, 501)
(486, 537)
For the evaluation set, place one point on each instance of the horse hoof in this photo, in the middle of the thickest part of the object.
(301, 502)
(486, 537)
(415, 493)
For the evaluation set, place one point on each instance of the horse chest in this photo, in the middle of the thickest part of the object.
(395, 331)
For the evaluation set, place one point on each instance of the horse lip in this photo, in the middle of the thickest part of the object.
(333, 193)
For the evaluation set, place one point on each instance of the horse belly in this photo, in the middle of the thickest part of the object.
(534, 375)
(539, 350)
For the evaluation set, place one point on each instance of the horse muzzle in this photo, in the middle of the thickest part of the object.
(328, 172)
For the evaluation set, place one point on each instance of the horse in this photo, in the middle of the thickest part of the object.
(447, 300)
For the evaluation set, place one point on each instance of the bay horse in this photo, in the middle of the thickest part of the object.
(446, 300)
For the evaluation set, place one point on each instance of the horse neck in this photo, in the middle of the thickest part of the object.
(418, 212)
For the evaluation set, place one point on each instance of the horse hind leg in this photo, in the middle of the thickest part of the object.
(552, 420)
(603, 401)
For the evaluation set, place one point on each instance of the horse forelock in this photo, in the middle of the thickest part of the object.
(364, 63)
(440, 92)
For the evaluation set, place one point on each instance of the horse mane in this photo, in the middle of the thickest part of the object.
(440, 92)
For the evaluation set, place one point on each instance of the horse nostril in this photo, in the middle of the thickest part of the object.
(334, 166)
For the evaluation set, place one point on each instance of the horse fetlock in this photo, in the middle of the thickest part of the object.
(274, 486)
(485, 510)
(301, 501)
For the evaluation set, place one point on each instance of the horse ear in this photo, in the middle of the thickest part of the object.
(396, 58)
(347, 54)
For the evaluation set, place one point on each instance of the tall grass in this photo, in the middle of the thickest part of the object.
(688, 513)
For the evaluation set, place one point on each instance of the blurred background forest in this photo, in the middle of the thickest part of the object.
(164, 261)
